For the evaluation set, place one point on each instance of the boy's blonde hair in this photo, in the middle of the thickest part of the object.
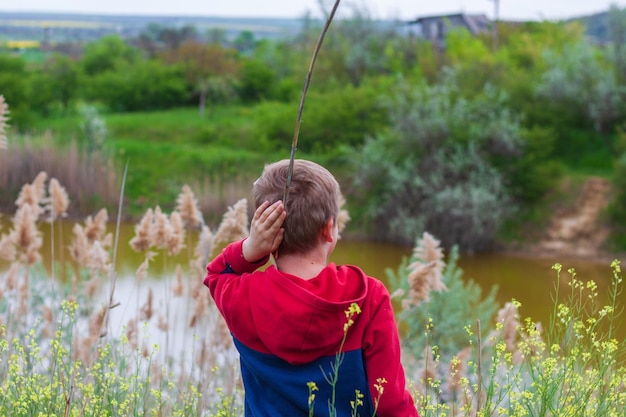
(313, 200)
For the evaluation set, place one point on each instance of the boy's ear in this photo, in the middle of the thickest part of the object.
(327, 230)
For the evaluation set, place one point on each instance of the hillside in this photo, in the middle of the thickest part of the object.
(83, 27)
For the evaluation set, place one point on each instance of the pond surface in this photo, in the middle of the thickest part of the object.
(531, 281)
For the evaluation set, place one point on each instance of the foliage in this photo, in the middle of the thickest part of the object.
(215, 89)
(562, 125)
(257, 81)
(576, 80)
(435, 169)
(146, 85)
(15, 88)
(332, 119)
(93, 127)
(441, 320)
(199, 60)
(107, 54)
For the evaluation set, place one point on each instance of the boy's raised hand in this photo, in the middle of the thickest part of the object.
(266, 232)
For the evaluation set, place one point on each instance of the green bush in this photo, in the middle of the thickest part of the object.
(330, 120)
(443, 315)
(146, 85)
(435, 167)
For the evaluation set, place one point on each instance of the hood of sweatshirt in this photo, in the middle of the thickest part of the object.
(301, 320)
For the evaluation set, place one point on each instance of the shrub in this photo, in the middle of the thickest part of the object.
(438, 304)
(435, 168)
(145, 85)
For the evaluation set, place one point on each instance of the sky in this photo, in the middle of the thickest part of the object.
(379, 9)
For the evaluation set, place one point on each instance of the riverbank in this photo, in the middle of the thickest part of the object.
(576, 230)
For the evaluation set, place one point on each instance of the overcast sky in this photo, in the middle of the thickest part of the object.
(383, 9)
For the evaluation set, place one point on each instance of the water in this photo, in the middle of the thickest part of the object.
(531, 281)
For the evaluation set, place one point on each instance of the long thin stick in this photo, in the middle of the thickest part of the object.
(294, 144)
(480, 380)
(112, 274)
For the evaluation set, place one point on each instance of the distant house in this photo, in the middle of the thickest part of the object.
(435, 28)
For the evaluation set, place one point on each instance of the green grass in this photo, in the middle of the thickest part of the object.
(167, 148)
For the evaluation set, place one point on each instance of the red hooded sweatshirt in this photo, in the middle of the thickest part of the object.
(289, 333)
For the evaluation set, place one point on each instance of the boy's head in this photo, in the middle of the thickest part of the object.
(313, 200)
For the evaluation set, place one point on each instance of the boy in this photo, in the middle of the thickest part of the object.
(290, 321)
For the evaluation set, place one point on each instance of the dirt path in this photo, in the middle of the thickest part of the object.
(577, 231)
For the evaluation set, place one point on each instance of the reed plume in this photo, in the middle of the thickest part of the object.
(7, 249)
(419, 284)
(202, 252)
(425, 272)
(162, 323)
(4, 111)
(26, 236)
(142, 241)
(132, 334)
(98, 259)
(457, 370)
(10, 277)
(508, 317)
(90, 245)
(58, 200)
(343, 217)
(198, 311)
(187, 206)
(178, 287)
(79, 248)
(176, 239)
(33, 194)
(147, 309)
(428, 250)
(161, 229)
(142, 271)
(234, 225)
(48, 320)
(95, 228)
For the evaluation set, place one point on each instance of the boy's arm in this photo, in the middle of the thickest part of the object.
(382, 356)
(245, 256)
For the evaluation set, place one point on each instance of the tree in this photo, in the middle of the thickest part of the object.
(214, 89)
(245, 42)
(106, 54)
(256, 81)
(64, 77)
(15, 88)
(144, 85)
(200, 62)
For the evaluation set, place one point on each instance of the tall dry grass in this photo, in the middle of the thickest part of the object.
(152, 345)
(89, 177)
(4, 112)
